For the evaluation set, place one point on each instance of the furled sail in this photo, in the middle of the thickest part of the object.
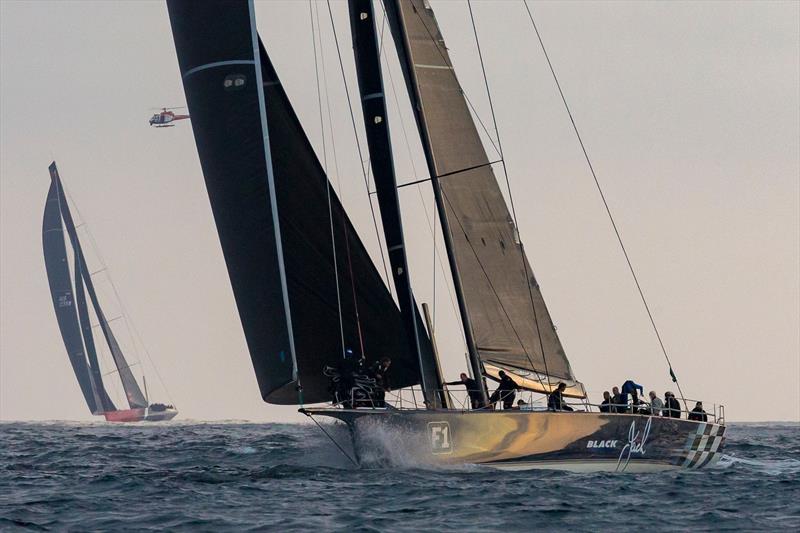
(270, 198)
(509, 320)
(132, 390)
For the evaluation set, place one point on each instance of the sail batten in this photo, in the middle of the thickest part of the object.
(238, 105)
(505, 312)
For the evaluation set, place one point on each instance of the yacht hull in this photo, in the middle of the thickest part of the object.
(524, 440)
(140, 415)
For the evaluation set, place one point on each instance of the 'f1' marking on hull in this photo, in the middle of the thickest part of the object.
(440, 436)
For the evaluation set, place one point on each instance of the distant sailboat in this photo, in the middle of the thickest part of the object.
(308, 293)
(69, 290)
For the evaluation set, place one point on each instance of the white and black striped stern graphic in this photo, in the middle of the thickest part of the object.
(703, 446)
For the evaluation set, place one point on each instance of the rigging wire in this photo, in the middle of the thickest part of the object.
(358, 142)
(327, 182)
(511, 199)
(341, 449)
(605, 203)
(366, 180)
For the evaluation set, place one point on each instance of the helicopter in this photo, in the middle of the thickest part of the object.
(165, 116)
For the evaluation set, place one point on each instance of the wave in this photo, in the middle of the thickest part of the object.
(766, 466)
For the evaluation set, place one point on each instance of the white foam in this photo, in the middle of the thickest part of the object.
(767, 466)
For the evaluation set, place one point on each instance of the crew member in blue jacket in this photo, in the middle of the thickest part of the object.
(629, 387)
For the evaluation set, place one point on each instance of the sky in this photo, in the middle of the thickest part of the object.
(689, 112)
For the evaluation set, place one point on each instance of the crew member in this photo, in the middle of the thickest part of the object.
(473, 390)
(380, 372)
(656, 405)
(345, 378)
(606, 407)
(698, 414)
(629, 387)
(617, 404)
(505, 391)
(673, 408)
(555, 401)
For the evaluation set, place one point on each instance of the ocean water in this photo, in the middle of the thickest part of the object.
(193, 476)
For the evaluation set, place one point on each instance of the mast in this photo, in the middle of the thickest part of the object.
(373, 105)
(447, 401)
(401, 43)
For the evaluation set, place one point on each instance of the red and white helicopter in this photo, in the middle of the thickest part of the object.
(165, 117)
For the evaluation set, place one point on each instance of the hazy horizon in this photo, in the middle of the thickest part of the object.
(690, 112)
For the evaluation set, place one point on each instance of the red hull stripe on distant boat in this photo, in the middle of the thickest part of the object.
(127, 415)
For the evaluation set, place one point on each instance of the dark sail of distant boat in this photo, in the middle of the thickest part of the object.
(72, 313)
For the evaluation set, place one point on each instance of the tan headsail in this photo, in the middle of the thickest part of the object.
(509, 321)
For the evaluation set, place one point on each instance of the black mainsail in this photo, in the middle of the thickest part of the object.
(72, 311)
(271, 202)
(506, 321)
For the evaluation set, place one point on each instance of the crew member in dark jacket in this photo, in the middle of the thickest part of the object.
(345, 374)
(505, 391)
(380, 372)
(698, 414)
(473, 390)
(672, 407)
(606, 407)
(617, 404)
(555, 401)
